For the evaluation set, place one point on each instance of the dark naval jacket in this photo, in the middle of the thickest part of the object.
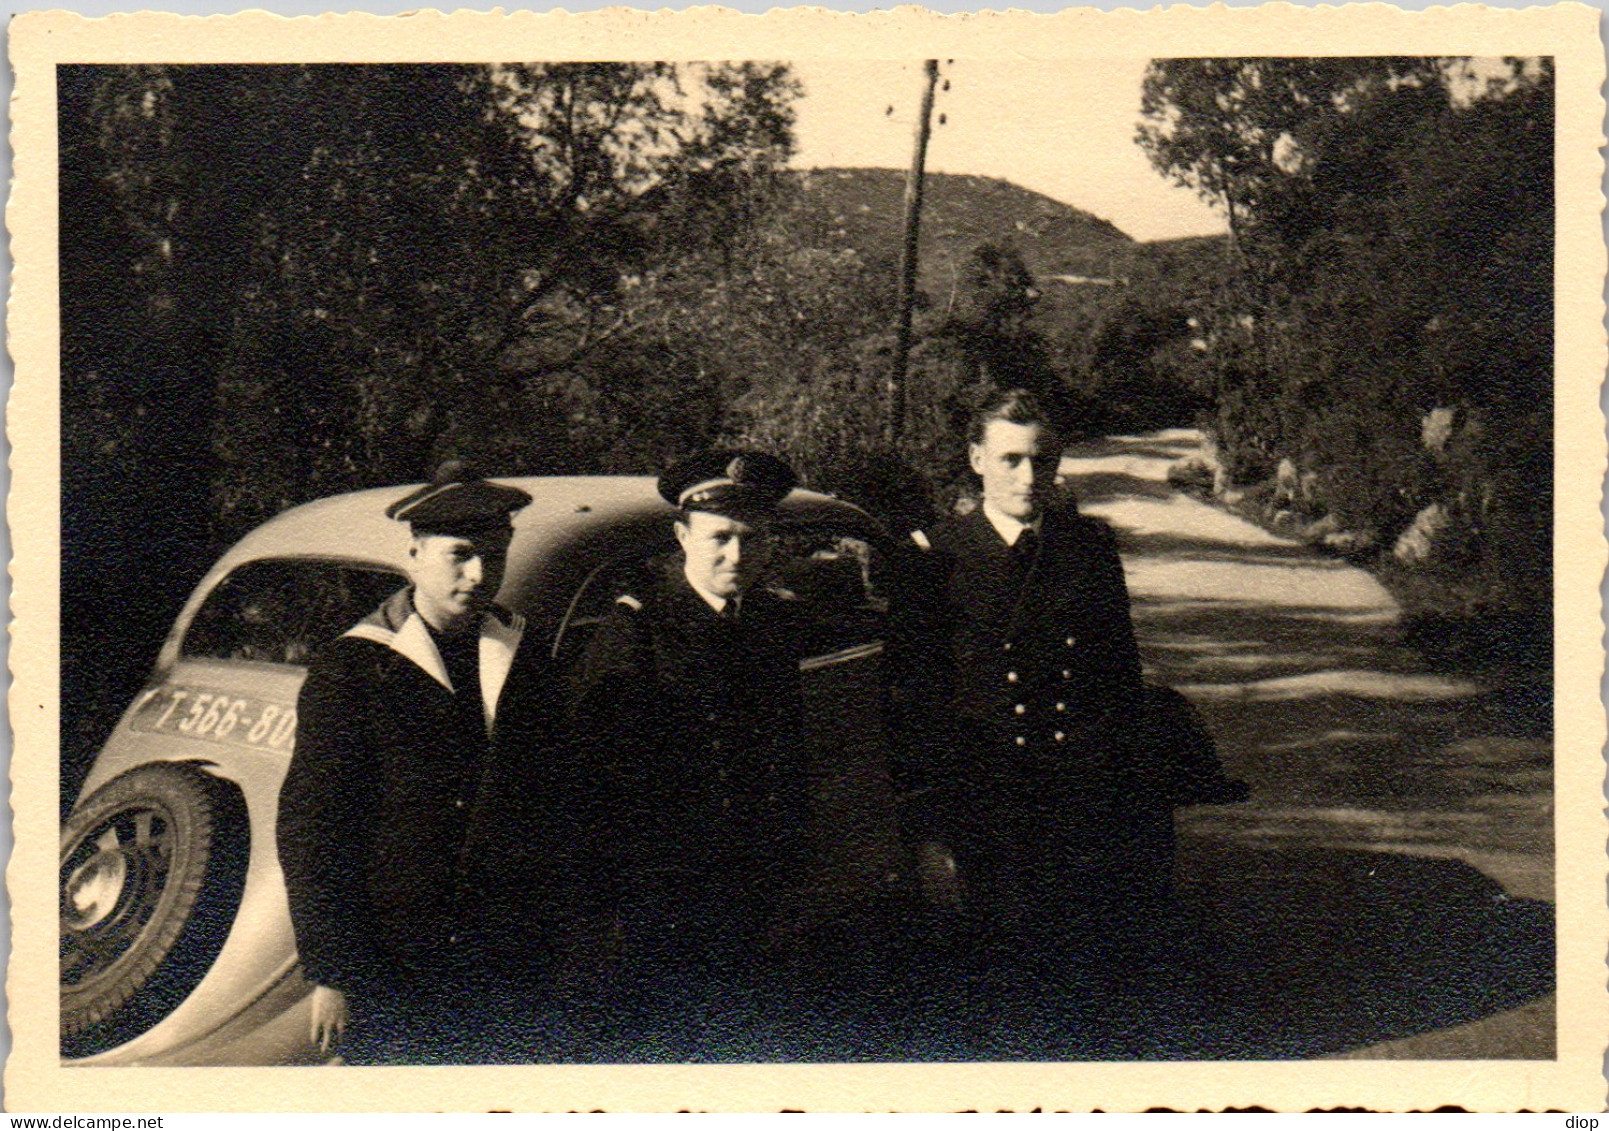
(697, 716)
(1033, 683)
(1043, 649)
(414, 815)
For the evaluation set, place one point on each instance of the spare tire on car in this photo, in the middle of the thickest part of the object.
(148, 883)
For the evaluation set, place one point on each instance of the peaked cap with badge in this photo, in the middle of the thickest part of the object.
(456, 501)
(727, 481)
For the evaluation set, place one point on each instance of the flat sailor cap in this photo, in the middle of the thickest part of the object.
(458, 502)
(727, 480)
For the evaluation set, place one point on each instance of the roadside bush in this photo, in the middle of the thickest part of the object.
(1386, 325)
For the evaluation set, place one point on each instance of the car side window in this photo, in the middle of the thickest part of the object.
(837, 578)
(281, 610)
(591, 603)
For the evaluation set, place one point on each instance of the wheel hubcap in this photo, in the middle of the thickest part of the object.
(112, 880)
(96, 885)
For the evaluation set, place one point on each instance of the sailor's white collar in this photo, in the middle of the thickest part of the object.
(397, 625)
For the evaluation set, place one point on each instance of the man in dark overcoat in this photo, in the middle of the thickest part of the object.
(690, 692)
(428, 746)
(1038, 798)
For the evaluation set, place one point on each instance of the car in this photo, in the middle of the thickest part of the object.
(176, 940)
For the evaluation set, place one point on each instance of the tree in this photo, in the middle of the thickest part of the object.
(1247, 134)
(446, 283)
(285, 281)
(986, 342)
(159, 190)
(1393, 229)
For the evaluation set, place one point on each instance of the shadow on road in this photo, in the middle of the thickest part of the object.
(1285, 954)
(1270, 955)
(1167, 446)
(1099, 486)
(1277, 955)
(1308, 951)
(1164, 545)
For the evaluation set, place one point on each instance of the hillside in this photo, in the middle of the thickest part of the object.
(1118, 319)
(864, 209)
(1070, 252)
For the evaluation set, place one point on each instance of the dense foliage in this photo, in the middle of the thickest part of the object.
(281, 282)
(1385, 332)
(284, 282)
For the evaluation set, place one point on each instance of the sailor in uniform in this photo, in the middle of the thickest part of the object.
(420, 735)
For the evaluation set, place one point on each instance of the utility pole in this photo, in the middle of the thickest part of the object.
(907, 261)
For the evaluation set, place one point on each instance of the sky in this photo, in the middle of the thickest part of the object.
(1063, 128)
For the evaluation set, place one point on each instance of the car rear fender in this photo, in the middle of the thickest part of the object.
(256, 956)
(260, 947)
(136, 740)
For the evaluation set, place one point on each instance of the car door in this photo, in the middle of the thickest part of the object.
(835, 574)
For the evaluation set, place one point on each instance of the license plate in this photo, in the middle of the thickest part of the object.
(215, 717)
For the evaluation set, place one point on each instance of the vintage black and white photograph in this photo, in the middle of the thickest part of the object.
(807, 560)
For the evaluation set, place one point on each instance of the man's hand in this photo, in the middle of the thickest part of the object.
(329, 1017)
(935, 868)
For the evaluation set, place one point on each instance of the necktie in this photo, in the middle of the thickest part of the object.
(460, 653)
(1024, 549)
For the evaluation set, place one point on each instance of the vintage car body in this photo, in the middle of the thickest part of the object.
(194, 767)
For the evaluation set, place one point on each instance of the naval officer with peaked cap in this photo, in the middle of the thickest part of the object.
(419, 735)
(691, 690)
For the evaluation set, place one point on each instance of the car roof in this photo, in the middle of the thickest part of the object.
(354, 525)
(572, 525)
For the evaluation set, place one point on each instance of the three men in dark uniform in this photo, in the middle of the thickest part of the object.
(428, 733)
(1040, 800)
(690, 694)
(451, 818)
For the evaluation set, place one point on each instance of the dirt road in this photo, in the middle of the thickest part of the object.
(1391, 878)
(1385, 892)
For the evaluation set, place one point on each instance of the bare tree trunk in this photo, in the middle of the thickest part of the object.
(907, 263)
